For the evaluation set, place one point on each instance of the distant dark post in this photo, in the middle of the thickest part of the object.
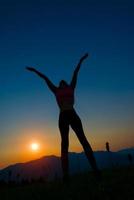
(107, 147)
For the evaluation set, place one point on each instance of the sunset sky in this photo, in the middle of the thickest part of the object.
(52, 35)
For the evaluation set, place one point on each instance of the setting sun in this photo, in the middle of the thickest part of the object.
(34, 146)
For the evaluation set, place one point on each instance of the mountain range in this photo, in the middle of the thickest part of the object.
(49, 167)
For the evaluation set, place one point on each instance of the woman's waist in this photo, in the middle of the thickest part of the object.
(66, 107)
(67, 111)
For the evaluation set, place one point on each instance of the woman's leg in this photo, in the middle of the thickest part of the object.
(64, 131)
(78, 129)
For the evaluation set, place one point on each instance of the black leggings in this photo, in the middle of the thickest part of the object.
(71, 118)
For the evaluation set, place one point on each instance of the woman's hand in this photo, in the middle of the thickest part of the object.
(31, 69)
(84, 57)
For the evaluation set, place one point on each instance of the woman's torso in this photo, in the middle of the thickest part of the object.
(65, 98)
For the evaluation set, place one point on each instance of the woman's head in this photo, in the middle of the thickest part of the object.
(63, 84)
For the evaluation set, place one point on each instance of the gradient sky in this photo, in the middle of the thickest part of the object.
(52, 35)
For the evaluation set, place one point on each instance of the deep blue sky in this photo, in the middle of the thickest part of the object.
(52, 36)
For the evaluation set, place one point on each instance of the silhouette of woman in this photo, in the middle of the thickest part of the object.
(64, 94)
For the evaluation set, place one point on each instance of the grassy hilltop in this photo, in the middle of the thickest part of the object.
(116, 184)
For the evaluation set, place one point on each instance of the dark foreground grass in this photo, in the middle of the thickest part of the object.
(116, 184)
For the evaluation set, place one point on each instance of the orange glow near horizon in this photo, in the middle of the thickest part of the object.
(30, 144)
